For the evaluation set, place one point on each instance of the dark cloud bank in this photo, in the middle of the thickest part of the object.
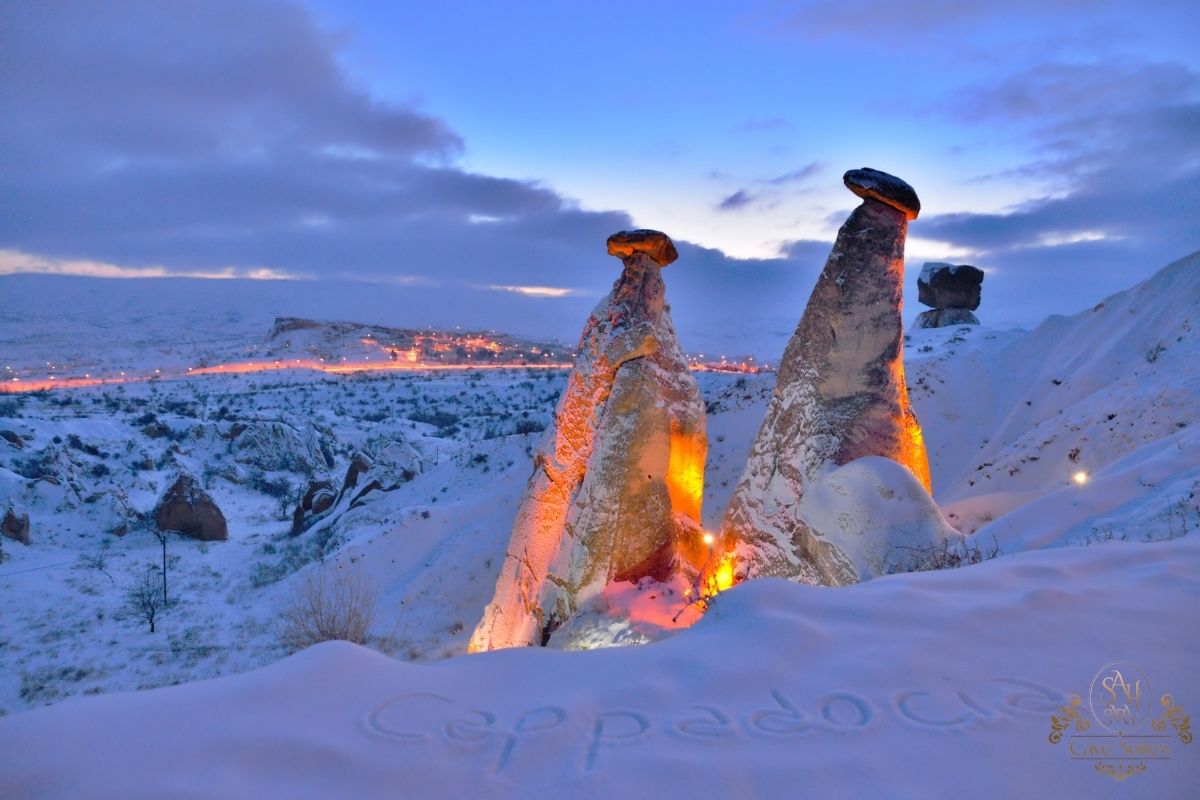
(207, 135)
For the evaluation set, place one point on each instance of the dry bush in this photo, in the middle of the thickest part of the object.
(328, 605)
(945, 555)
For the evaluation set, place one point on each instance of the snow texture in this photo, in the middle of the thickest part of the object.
(910, 686)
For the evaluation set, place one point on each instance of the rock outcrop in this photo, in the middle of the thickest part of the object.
(952, 291)
(188, 509)
(840, 395)
(275, 445)
(382, 465)
(616, 489)
(15, 526)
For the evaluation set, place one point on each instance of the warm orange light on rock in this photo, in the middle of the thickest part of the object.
(685, 472)
(724, 575)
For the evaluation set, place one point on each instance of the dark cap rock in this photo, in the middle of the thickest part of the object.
(943, 285)
(655, 244)
(876, 185)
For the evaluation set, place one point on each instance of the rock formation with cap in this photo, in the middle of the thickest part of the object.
(952, 291)
(616, 488)
(840, 395)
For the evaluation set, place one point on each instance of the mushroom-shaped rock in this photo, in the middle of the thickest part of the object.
(942, 285)
(656, 244)
(188, 509)
(618, 477)
(840, 395)
(873, 184)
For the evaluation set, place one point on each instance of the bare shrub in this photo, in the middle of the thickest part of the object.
(1152, 352)
(946, 555)
(328, 605)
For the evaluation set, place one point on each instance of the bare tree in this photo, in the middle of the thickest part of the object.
(144, 598)
(328, 604)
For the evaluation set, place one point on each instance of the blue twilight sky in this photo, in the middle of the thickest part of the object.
(485, 150)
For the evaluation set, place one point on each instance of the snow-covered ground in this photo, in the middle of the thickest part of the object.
(915, 686)
(1070, 454)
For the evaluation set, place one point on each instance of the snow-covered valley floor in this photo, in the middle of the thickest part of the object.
(1070, 455)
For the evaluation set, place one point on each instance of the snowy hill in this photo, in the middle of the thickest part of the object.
(1111, 392)
(1010, 418)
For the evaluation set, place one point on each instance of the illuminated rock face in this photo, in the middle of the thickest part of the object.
(617, 482)
(840, 395)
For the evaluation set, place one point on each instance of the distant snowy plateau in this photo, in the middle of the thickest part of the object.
(1069, 454)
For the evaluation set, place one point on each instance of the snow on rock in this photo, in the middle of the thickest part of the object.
(274, 445)
(873, 184)
(951, 291)
(618, 479)
(874, 517)
(942, 285)
(840, 395)
(383, 464)
(910, 686)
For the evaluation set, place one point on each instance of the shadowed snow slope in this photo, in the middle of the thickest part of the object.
(907, 686)
(1011, 418)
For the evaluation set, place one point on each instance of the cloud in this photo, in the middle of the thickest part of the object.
(222, 139)
(14, 262)
(215, 136)
(736, 201)
(537, 291)
(1115, 145)
(913, 24)
(809, 170)
(769, 196)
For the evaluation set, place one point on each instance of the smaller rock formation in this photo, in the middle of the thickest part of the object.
(952, 291)
(15, 526)
(156, 430)
(188, 509)
(280, 446)
(382, 465)
(319, 497)
(13, 438)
